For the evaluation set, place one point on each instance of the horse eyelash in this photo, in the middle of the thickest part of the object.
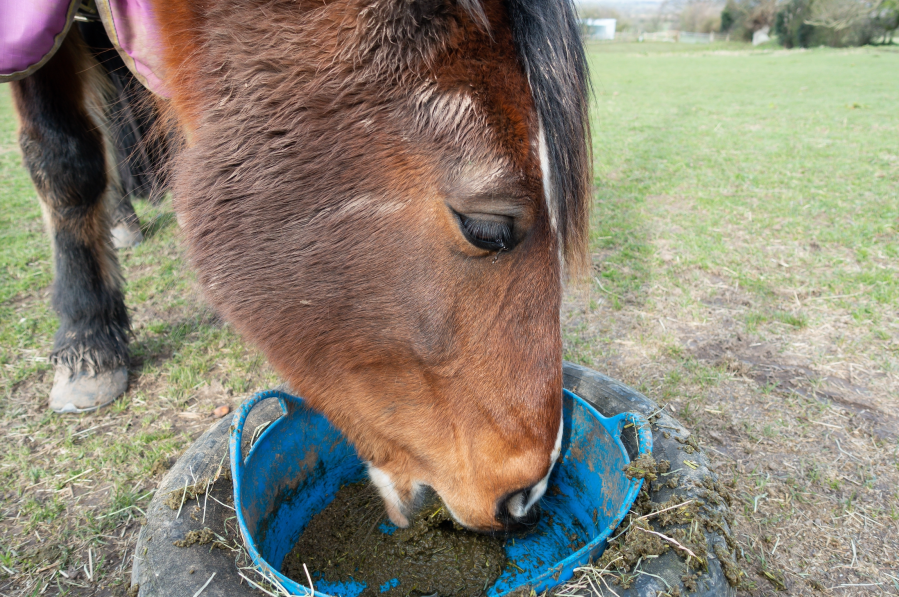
(488, 235)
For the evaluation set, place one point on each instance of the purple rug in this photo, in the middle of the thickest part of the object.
(30, 33)
(32, 30)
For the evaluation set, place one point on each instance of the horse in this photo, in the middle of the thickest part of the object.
(386, 197)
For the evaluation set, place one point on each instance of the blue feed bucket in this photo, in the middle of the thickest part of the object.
(300, 462)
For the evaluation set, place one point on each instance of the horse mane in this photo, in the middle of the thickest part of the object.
(548, 39)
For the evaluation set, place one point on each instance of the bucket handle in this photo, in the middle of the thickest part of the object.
(644, 431)
(238, 462)
(240, 419)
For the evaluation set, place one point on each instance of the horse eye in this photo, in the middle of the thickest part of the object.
(490, 235)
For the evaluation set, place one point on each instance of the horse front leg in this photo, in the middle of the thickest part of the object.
(67, 150)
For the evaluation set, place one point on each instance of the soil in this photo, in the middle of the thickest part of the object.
(353, 539)
(800, 426)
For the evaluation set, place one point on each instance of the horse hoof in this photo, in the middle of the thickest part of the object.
(126, 235)
(84, 392)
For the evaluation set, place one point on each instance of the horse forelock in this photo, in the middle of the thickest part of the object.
(548, 40)
(549, 43)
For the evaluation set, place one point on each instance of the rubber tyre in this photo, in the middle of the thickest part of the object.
(161, 569)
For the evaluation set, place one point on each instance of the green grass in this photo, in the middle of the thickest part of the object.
(25, 264)
(25, 257)
(750, 160)
(746, 275)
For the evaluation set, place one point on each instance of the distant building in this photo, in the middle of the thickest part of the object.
(599, 28)
(761, 36)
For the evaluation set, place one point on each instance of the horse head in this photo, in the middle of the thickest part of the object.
(385, 197)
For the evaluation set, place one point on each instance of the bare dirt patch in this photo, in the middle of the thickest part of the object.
(799, 418)
(768, 366)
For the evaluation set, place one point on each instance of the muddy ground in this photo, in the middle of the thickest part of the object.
(798, 421)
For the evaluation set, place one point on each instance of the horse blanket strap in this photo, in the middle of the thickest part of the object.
(32, 30)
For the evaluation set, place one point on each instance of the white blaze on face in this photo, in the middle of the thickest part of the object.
(517, 505)
(543, 152)
(552, 206)
(392, 502)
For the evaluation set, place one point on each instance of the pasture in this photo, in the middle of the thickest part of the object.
(745, 275)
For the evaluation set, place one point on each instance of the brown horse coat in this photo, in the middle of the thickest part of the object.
(350, 171)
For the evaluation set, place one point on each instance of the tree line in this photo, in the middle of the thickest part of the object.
(809, 23)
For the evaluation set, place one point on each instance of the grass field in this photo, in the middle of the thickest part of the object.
(746, 240)
(746, 275)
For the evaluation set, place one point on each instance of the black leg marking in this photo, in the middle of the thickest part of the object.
(62, 139)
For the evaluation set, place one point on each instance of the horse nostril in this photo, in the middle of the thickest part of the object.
(514, 514)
